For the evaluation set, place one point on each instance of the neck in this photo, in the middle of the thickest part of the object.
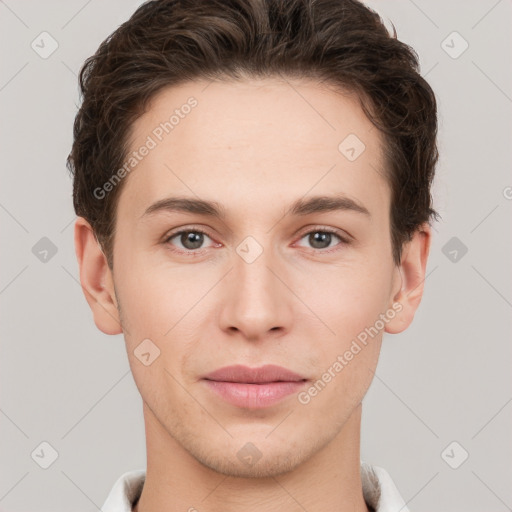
(176, 481)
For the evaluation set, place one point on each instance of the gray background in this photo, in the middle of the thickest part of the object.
(446, 379)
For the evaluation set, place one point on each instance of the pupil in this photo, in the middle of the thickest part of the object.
(192, 240)
(320, 237)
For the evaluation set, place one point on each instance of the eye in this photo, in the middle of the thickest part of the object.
(190, 239)
(321, 239)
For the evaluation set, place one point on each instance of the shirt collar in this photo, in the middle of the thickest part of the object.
(379, 491)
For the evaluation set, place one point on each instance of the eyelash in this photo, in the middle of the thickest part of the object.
(343, 240)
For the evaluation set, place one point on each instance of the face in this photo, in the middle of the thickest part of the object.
(277, 277)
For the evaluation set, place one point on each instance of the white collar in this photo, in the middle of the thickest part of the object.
(379, 490)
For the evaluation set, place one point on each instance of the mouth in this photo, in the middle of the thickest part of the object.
(254, 388)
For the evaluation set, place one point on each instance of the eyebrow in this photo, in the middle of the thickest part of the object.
(301, 207)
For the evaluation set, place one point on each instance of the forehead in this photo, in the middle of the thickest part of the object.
(265, 138)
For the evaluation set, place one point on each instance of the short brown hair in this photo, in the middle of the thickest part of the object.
(339, 42)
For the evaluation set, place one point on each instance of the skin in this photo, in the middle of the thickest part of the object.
(254, 147)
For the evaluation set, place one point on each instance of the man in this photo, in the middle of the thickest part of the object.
(252, 180)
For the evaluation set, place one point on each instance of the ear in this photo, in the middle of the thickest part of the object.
(410, 276)
(96, 279)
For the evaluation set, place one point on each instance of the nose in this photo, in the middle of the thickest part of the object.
(256, 302)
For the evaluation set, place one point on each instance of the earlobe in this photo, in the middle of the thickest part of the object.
(411, 272)
(96, 279)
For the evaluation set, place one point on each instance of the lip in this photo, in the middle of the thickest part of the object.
(254, 388)
(263, 374)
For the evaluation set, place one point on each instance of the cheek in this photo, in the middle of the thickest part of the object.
(156, 295)
(155, 303)
(348, 343)
(347, 299)
(161, 304)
